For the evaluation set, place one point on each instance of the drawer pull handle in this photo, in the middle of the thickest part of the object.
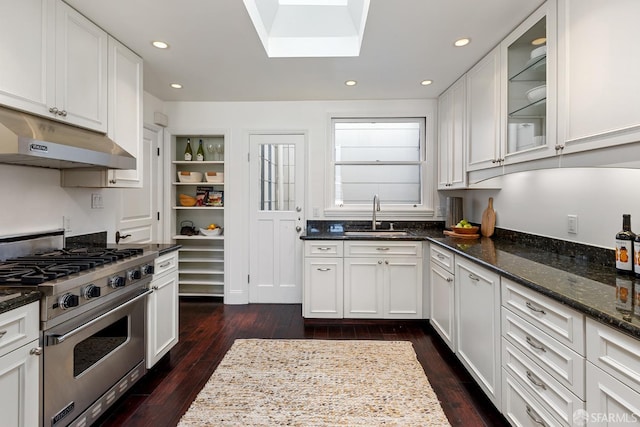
(474, 277)
(449, 279)
(535, 345)
(166, 264)
(534, 308)
(2, 333)
(440, 256)
(36, 351)
(535, 380)
(324, 269)
(382, 249)
(324, 249)
(535, 417)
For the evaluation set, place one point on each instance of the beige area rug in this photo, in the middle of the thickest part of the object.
(317, 383)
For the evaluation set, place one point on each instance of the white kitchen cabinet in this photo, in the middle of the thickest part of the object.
(477, 325)
(201, 258)
(58, 69)
(599, 86)
(162, 308)
(483, 113)
(613, 376)
(529, 127)
(125, 124)
(323, 290)
(452, 137)
(442, 289)
(383, 279)
(20, 366)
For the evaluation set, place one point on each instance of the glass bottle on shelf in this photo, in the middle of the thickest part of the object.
(188, 152)
(200, 152)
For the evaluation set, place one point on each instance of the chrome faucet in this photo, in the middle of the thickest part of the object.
(376, 208)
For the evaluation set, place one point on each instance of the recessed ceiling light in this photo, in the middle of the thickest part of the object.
(461, 42)
(539, 41)
(176, 85)
(160, 44)
(351, 82)
(426, 82)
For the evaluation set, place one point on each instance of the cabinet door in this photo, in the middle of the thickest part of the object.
(125, 111)
(600, 107)
(442, 304)
(610, 402)
(81, 70)
(363, 291)
(26, 56)
(162, 317)
(19, 382)
(478, 325)
(483, 113)
(402, 289)
(323, 287)
(451, 138)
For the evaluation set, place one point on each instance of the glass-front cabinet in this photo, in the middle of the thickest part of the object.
(528, 64)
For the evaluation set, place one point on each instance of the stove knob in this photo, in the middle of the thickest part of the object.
(116, 281)
(91, 291)
(134, 274)
(68, 301)
(147, 269)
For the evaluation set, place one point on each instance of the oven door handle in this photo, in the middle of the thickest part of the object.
(59, 339)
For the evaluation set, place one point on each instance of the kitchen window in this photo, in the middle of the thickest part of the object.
(383, 156)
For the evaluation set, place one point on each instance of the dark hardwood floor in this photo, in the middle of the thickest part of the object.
(208, 328)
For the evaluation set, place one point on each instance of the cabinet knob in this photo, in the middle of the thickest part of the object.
(53, 110)
(449, 279)
(36, 351)
(386, 262)
(62, 113)
(380, 262)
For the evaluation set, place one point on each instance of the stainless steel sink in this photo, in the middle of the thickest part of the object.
(377, 233)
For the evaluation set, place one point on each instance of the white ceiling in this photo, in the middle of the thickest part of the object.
(215, 52)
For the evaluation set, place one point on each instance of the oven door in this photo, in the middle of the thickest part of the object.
(87, 355)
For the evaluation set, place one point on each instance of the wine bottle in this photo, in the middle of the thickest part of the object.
(200, 152)
(188, 153)
(636, 261)
(624, 247)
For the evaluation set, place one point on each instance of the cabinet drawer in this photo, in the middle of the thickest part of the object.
(614, 352)
(165, 263)
(559, 361)
(610, 402)
(520, 408)
(325, 248)
(18, 327)
(382, 248)
(442, 257)
(562, 323)
(556, 398)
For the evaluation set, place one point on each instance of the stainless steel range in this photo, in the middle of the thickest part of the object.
(92, 317)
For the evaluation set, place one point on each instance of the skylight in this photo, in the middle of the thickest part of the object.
(309, 28)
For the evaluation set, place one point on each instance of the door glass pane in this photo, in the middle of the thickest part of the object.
(277, 177)
(90, 351)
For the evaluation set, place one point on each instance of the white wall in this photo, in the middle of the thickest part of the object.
(238, 119)
(538, 202)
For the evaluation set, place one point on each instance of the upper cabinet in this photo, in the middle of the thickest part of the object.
(598, 67)
(452, 137)
(483, 113)
(529, 87)
(58, 69)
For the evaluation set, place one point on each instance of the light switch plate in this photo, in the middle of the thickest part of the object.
(572, 224)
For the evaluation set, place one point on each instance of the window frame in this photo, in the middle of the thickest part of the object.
(388, 211)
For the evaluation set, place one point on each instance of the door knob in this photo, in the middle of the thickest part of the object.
(121, 236)
(298, 228)
(298, 209)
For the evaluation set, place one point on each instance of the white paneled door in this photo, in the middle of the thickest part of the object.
(277, 217)
(138, 218)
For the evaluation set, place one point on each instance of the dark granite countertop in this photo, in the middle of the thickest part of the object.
(575, 277)
(11, 298)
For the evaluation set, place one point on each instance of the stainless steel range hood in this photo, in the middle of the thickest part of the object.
(30, 140)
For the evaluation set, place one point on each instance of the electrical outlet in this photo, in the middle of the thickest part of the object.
(96, 201)
(572, 224)
(316, 212)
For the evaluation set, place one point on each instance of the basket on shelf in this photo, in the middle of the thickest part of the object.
(187, 200)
